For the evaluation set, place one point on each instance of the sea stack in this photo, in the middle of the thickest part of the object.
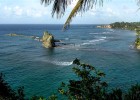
(48, 40)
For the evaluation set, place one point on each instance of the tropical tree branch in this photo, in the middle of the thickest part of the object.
(81, 6)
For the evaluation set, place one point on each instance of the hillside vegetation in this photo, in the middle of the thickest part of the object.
(126, 25)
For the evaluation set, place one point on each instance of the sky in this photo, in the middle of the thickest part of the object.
(32, 12)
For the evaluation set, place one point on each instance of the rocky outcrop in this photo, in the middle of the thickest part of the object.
(48, 40)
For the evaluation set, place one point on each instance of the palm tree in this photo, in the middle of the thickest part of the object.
(59, 7)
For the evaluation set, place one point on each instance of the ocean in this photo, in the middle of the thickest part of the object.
(25, 62)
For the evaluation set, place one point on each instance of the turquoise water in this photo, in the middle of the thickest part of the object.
(26, 63)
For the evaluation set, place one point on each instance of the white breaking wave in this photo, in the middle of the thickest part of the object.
(104, 37)
(98, 37)
(37, 38)
(94, 41)
(100, 33)
(93, 33)
(86, 43)
(55, 62)
(66, 38)
(105, 32)
(62, 63)
(132, 46)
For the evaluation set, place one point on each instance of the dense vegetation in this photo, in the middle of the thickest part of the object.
(126, 25)
(137, 41)
(7, 93)
(88, 86)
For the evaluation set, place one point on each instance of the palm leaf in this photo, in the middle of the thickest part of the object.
(81, 6)
(138, 2)
(47, 2)
(72, 14)
(59, 6)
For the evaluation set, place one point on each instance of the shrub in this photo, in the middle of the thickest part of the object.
(7, 93)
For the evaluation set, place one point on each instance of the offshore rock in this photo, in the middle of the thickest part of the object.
(48, 40)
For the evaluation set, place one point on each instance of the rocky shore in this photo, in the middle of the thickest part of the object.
(47, 39)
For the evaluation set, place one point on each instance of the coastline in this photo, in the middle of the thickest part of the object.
(134, 26)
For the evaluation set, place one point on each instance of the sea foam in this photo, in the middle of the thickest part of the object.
(61, 63)
(94, 41)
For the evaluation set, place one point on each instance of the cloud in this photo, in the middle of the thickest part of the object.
(7, 10)
(18, 11)
(35, 12)
(120, 12)
(31, 11)
(24, 11)
(129, 10)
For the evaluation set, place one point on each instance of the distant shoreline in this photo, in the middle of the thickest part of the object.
(122, 25)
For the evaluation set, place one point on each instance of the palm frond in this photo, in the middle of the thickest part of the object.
(138, 2)
(72, 14)
(59, 6)
(46, 2)
(81, 6)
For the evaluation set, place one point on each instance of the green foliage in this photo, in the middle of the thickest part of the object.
(126, 25)
(7, 93)
(138, 32)
(137, 41)
(52, 97)
(37, 98)
(133, 93)
(116, 94)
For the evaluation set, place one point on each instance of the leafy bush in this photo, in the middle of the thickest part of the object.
(7, 93)
(137, 41)
(133, 93)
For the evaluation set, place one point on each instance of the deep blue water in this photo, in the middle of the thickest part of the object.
(26, 63)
